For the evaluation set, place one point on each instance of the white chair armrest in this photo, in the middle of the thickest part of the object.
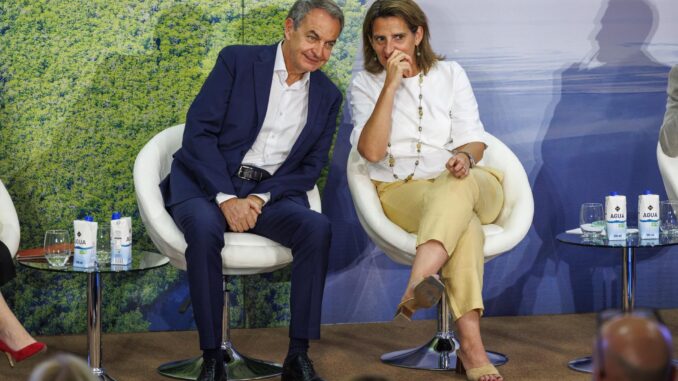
(668, 167)
(10, 233)
(152, 164)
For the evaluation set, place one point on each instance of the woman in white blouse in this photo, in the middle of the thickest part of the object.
(416, 122)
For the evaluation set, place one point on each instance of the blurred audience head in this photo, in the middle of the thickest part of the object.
(63, 367)
(634, 347)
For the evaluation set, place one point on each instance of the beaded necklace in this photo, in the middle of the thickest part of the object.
(391, 158)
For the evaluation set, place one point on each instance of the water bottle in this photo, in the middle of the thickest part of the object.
(84, 253)
(121, 240)
(648, 215)
(615, 217)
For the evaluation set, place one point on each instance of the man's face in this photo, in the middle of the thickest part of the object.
(309, 46)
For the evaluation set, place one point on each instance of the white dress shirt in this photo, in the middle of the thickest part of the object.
(450, 119)
(285, 118)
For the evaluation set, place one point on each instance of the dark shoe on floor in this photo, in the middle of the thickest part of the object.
(212, 370)
(298, 367)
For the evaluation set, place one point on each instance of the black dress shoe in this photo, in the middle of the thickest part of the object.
(298, 367)
(212, 370)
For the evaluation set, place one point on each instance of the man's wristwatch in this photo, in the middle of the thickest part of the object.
(471, 160)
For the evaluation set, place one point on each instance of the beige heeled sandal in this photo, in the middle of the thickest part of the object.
(474, 374)
(426, 294)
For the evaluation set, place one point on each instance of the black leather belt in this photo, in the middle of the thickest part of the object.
(248, 172)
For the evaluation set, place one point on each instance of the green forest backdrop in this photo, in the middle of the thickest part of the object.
(83, 86)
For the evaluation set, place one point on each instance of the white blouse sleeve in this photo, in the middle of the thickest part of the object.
(362, 98)
(466, 125)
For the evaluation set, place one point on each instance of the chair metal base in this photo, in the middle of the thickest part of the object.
(581, 364)
(437, 354)
(585, 364)
(100, 374)
(239, 367)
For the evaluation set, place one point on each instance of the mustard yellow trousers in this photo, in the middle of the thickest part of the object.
(451, 211)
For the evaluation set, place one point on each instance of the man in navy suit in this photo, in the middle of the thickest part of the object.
(256, 138)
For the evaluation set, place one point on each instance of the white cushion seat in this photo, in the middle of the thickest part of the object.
(507, 231)
(668, 167)
(243, 253)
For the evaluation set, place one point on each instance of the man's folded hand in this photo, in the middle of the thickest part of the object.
(241, 213)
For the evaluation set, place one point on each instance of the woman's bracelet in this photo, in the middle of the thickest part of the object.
(471, 160)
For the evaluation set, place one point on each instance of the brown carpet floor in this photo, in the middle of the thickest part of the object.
(539, 348)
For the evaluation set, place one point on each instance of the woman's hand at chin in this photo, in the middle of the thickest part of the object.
(398, 65)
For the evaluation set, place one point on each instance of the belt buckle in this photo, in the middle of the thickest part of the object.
(246, 172)
(241, 173)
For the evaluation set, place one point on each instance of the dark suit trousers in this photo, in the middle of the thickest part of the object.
(285, 221)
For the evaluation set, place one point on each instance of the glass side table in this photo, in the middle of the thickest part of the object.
(628, 256)
(141, 261)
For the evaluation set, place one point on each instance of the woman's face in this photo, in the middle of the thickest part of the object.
(392, 33)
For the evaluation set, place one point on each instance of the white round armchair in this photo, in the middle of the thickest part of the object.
(243, 253)
(506, 232)
(668, 167)
(10, 233)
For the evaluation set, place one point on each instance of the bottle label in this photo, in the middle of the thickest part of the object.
(84, 253)
(615, 217)
(121, 238)
(648, 216)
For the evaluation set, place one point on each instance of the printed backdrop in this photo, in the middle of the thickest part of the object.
(576, 89)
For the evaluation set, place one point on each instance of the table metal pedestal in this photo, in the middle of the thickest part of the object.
(585, 364)
(94, 326)
(141, 261)
(628, 276)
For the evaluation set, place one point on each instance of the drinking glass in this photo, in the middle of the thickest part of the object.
(103, 245)
(668, 210)
(591, 219)
(57, 247)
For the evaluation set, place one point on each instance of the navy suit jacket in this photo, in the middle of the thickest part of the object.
(225, 119)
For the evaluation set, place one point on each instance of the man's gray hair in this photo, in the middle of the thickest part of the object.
(300, 9)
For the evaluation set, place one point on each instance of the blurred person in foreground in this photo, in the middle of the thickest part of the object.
(632, 347)
(63, 367)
